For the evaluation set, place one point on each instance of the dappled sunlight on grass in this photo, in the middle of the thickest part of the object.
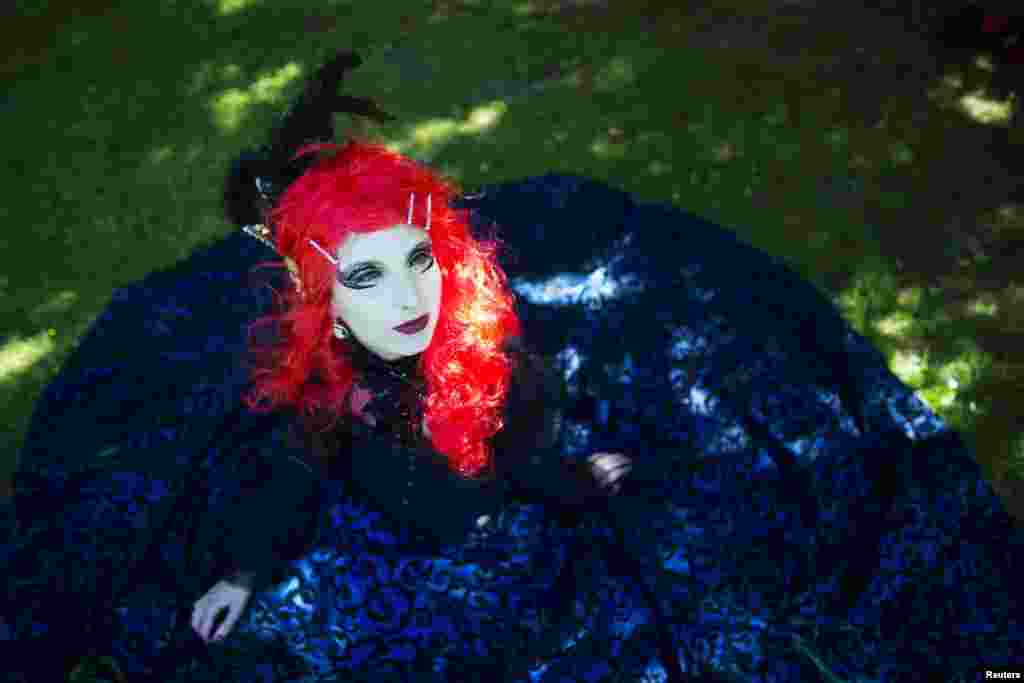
(1010, 212)
(230, 108)
(229, 7)
(984, 109)
(19, 355)
(895, 324)
(208, 75)
(608, 147)
(946, 383)
(1016, 459)
(984, 306)
(161, 154)
(724, 151)
(618, 73)
(861, 302)
(909, 366)
(909, 296)
(969, 91)
(927, 340)
(1015, 296)
(962, 370)
(658, 168)
(902, 153)
(427, 136)
(945, 386)
(984, 62)
(59, 302)
(524, 9)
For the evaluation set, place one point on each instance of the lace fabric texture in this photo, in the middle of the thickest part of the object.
(810, 513)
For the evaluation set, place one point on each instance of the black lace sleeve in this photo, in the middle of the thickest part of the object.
(526, 449)
(272, 516)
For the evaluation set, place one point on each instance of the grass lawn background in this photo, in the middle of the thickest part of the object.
(871, 167)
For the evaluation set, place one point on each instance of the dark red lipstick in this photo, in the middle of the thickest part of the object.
(414, 326)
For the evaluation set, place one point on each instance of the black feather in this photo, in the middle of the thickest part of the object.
(257, 178)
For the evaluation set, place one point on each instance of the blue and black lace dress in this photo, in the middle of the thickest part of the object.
(798, 515)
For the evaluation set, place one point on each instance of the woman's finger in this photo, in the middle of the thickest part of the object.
(212, 621)
(204, 623)
(225, 628)
(609, 468)
(612, 465)
(197, 620)
(608, 459)
(618, 471)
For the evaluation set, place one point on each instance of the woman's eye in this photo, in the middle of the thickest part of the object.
(424, 259)
(363, 278)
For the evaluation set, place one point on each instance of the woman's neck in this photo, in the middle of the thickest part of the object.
(386, 393)
(368, 363)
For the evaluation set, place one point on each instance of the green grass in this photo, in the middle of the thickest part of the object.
(125, 123)
(121, 126)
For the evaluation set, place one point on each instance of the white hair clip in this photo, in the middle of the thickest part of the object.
(408, 220)
(323, 251)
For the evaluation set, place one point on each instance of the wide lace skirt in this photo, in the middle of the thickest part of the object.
(815, 521)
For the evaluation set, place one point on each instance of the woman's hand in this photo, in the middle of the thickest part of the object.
(596, 480)
(609, 470)
(227, 595)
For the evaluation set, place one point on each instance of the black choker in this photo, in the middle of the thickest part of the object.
(403, 370)
(396, 389)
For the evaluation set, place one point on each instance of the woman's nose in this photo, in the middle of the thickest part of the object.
(407, 296)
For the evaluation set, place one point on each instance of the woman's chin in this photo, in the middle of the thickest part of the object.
(416, 343)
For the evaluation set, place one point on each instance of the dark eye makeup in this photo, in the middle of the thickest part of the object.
(362, 276)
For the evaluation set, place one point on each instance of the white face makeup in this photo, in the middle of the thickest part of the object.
(387, 278)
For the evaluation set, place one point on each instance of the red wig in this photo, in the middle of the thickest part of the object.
(361, 188)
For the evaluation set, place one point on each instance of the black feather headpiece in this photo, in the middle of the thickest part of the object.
(257, 178)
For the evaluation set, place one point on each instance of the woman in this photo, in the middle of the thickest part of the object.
(776, 505)
(130, 522)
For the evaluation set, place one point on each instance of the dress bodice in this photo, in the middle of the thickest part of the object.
(397, 472)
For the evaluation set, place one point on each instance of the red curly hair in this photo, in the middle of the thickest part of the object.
(364, 187)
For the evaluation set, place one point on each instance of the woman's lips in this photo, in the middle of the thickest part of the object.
(414, 326)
